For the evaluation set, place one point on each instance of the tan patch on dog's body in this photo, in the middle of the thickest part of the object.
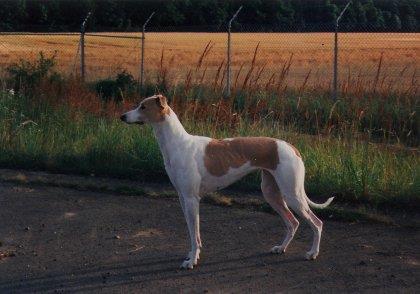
(220, 155)
(295, 149)
(155, 109)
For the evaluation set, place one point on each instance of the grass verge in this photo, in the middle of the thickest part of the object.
(36, 135)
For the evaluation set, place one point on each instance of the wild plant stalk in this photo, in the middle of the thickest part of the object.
(302, 88)
(349, 82)
(222, 80)
(238, 74)
(162, 78)
(378, 73)
(359, 80)
(188, 81)
(205, 52)
(402, 72)
(251, 69)
(414, 80)
(216, 78)
(270, 81)
(258, 76)
(200, 62)
(284, 72)
(202, 76)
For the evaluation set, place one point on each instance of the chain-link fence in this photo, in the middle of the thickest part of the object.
(368, 61)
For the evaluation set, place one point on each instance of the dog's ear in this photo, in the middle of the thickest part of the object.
(161, 101)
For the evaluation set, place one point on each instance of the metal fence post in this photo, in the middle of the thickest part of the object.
(335, 90)
(82, 47)
(228, 78)
(143, 36)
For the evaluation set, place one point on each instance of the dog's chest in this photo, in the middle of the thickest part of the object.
(179, 160)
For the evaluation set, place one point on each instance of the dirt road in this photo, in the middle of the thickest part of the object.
(66, 240)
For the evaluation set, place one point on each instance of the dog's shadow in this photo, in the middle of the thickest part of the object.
(146, 270)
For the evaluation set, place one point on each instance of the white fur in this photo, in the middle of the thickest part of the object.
(183, 156)
(133, 116)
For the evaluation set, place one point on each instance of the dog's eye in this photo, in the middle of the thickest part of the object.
(142, 107)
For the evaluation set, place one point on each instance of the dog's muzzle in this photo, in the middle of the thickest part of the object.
(124, 119)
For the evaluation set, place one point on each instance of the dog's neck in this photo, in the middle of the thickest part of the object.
(170, 133)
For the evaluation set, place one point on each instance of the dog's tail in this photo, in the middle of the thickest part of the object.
(317, 205)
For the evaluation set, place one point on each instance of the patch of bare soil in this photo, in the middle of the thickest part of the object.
(69, 240)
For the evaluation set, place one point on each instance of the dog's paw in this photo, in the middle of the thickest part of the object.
(311, 255)
(278, 250)
(191, 260)
(188, 263)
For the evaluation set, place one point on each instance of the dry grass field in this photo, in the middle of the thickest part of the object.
(300, 59)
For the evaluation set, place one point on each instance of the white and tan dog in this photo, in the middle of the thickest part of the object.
(198, 165)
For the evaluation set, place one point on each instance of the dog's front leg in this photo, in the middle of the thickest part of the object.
(191, 213)
(181, 201)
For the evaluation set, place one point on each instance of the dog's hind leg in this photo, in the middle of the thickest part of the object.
(290, 179)
(273, 196)
(316, 226)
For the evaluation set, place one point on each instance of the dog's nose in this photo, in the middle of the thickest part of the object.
(123, 117)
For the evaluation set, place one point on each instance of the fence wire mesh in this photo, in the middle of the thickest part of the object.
(27, 46)
(261, 58)
(107, 54)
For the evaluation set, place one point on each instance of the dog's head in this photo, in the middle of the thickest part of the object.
(151, 110)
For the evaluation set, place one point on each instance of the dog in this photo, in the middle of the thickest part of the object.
(199, 165)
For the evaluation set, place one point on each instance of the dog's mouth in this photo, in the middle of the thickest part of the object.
(140, 123)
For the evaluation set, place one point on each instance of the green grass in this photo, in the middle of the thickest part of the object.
(38, 136)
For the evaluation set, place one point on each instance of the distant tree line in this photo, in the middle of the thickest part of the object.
(209, 15)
